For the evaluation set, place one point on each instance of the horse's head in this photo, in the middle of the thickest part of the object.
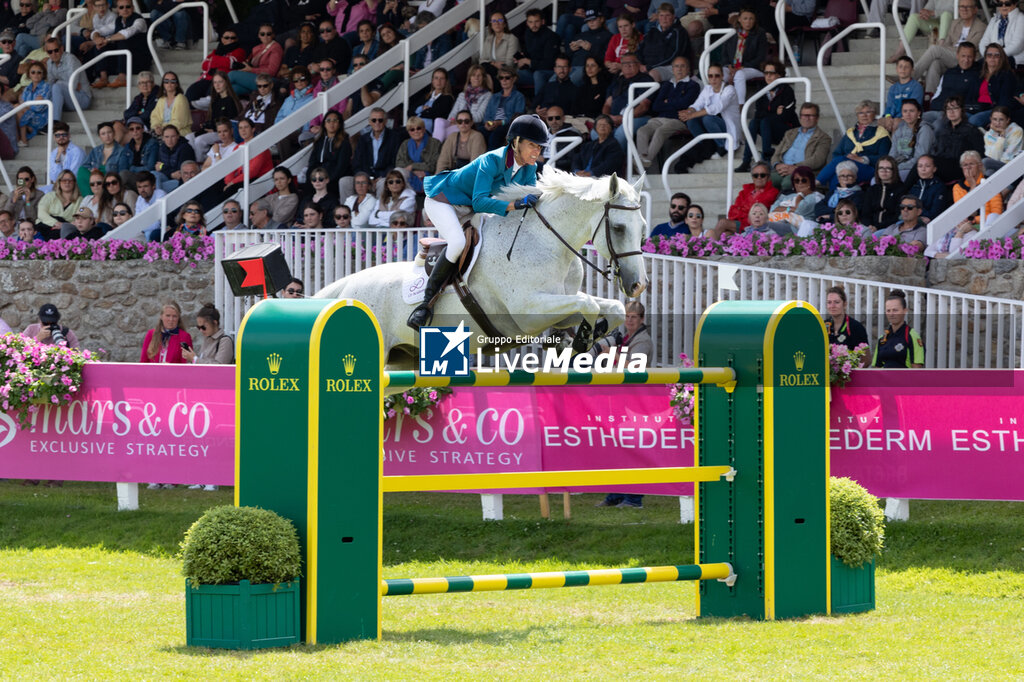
(621, 232)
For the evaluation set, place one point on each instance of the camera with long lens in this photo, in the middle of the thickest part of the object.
(57, 334)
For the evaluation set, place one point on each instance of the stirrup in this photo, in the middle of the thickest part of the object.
(414, 317)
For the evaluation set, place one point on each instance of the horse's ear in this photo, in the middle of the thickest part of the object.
(613, 185)
(638, 186)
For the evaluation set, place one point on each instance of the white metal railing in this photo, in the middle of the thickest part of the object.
(49, 136)
(901, 32)
(560, 146)
(730, 150)
(164, 17)
(74, 91)
(745, 111)
(705, 56)
(881, 65)
(637, 93)
(959, 330)
(73, 15)
(785, 47)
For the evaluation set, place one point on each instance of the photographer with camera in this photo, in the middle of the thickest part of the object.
(49, 331)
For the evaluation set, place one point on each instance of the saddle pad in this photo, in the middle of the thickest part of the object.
(416, 280)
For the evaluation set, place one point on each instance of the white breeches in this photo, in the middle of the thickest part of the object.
(446, 220)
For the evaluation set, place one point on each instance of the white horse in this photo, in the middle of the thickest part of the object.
(539, 286)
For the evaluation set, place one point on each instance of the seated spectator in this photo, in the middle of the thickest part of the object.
(572, 19)
(559, 129)
(300, 94)
(963, 80)
(34, 119)
(24, 200)
(342, 217)
(224, 104)
(602, 156)
(171, 107)
(284, 202)
(170, 154)
(166, 38)
(311, 218)
(675, 96)
(1006, 29)
(7, 226)
(418, 155)
(66, 155)
(774, 114)
(124, 31)
(142, 149)
(626, 41)
(190, 221)
(261, 164)
(425, 57)
(165, 341)
(215, 347)
(807, 146)
(618, 98)
(362, 202)
(331, 150)
(224, 145)
(294, 289)
(59, 68)
(535, 64)
(265, 59)
(1003, 140)
(94, 188)
(367, 45)
(348, 13)
(908, 229)
(794, 212)
(58, 207)
(676, 224)
(695, 220)
(502, 109)
(122, 213)
(846, 188)
(934, 21)
(322, 193)
(747, 50)
(911, 139)
(591, 44)
(396, 196)
(929, 189)
(903, 89)
(114, 193)
(880, 204)
(863, 144)
(149, 194)
(847, 214)
(400, 220)
(27, 232)
(968, 28)
(716, 111)
(461, 146)
(41, 24)
(49, 322)
(954, 137)
(759, 191)
(108, 156)
(593, 91)
(328, 79)
(231, 214)
(974, 173)
(331, 46)
(86, 226)
(9, 74)
(302, 53)
(475, 96)
(437, 107)
(260, 216)
(757, 218)
(263, 106)
(141, 107)
(500, 45)
(223, 59)
(375, 153)
(999, 85)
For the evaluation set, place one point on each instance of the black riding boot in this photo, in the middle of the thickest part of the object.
(423, 313)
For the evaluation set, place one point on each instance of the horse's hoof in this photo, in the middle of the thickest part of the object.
(600, 328)
(582, 342)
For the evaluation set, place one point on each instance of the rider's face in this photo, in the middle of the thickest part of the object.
(528, 153)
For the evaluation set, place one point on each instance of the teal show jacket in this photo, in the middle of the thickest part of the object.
(476, 183)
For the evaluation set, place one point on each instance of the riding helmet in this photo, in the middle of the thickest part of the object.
(529, 127)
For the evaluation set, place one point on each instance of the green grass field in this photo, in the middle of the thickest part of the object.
(90, 593)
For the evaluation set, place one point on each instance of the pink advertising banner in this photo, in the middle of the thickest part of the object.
(924, 434)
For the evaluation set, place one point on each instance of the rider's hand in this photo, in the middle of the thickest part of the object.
(528, 201)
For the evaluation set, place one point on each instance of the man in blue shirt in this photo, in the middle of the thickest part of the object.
(677, 208)
(807, 145)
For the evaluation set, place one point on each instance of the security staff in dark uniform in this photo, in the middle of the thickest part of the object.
(842, 329)
(900, 346)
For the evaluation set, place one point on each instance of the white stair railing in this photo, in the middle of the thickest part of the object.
(881, 65)
(49, 136)
(74, 91)
(745, 111)
(181, 7)
(705, 57)
(637, 93)
(730, 159)
(73, 14)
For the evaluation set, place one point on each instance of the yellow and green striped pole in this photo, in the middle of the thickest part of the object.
(533, 581)
(720, 376)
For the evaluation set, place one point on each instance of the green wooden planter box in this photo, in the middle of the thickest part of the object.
(853, 589)
(242, 616)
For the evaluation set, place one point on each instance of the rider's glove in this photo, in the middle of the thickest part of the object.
(528, 201)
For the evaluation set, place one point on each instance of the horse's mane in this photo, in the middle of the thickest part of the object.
(554, 183)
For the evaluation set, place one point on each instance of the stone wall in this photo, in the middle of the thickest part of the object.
(109, 305)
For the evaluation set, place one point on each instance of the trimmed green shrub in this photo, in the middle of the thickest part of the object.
(228, 544)
(857, 522)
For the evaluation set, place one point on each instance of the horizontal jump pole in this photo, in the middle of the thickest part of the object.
(532, 581)
(551, 479)
(721, 376)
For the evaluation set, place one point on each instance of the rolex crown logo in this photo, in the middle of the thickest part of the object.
(798, 360)
(349, 362)
(274, 362)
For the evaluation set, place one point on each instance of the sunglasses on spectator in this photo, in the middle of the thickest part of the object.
(24, 178)
(232, 210)
(263, 85)
(710, 75)
(54, 50)
(555, 118)
(800, 180)
(109, 183)
(413, 129)
(319, 178)
(326, 30)
(343, 216)
(759, 175)
(171, 80)
(376, 120)
(299, 79)
(201, 327)
(264, 34)
(845, 211)
(505, 78)
(399, 223)
(191, 210)
(293, 292)
(466, 121)
(129, 128)
(124, 7)
(1005, 4)
(98, 183)
(497, 21)
(679, 207)
(61, 135)
(119, 213)
(228, 37)
(327, 68)
(771, 73)
(908, 207)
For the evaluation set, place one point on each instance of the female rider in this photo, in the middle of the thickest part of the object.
(475, 185)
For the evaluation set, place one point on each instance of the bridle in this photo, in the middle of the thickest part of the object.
(613, 267)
